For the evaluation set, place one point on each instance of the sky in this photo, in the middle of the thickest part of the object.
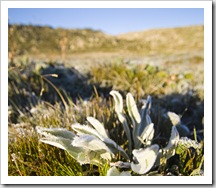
(112, 21)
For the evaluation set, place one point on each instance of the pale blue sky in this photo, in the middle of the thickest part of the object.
(108, 20)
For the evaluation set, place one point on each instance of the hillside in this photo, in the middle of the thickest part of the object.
(171, 40)
(38, 40)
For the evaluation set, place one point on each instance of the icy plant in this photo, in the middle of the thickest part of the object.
(176, 121)
(185, 143)
(145, 155)
(191, 155)
(91, 144)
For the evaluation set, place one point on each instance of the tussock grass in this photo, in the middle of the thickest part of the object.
(28, 157)
(142, 80)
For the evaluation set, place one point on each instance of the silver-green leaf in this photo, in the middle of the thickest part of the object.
(145, 115)
(58, 132)
(145, 159)
(119, 111)
(98, 126)
(174, 118)
(147, 134)
(90, 142)
(113, 171)
(118, 101)
(132, 109)
(134, 115)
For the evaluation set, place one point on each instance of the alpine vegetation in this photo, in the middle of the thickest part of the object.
(91, 144)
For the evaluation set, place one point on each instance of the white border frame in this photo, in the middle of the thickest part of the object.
(206, 179)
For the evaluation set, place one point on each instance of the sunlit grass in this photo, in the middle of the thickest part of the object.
(34, 102)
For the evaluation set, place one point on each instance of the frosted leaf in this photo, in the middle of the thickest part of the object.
(118, 109)
(82, 150)
(145, 158)
(132, 109)
(115, 172)
(134, 115)
(60, 138)
(90, 142)
(58, 132)
(59, 143)
(145, 115)
(174, 138)
(124, 122)
(118, 101)
(84, 129)
(115, 147)
(148, 134)
(170, 149)
(62, 143)
(174, 118)
(125, 173)
(98, 126)
(93, 157)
